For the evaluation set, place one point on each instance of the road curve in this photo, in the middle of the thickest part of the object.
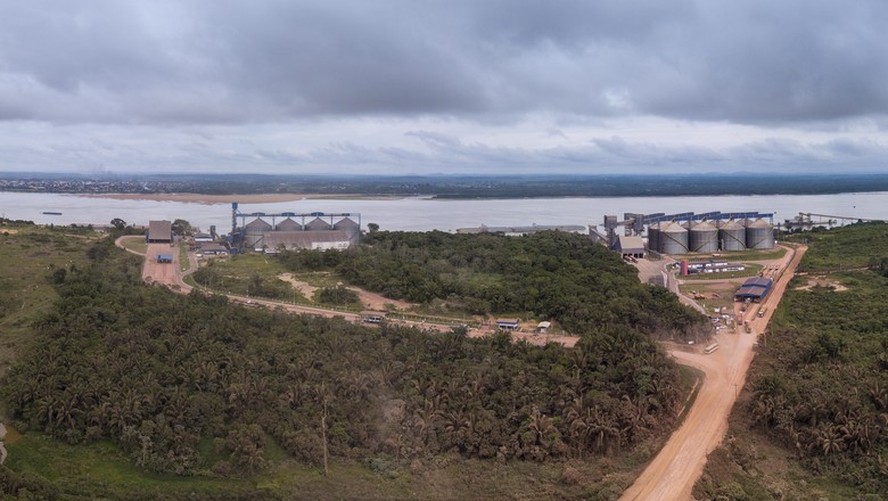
(674, 471)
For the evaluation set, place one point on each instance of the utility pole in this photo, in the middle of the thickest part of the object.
(324, 437)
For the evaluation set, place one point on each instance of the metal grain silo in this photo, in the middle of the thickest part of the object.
(673, 239)
(703, 237)
(732, 236)
(759, 235)
(654, 237)
(254, 230)
(318, 224)
(288, 225)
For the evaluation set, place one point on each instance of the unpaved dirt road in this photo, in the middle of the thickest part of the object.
(674, 471)
(3, 453)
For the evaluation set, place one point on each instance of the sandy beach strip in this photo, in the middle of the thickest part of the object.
(255, 198)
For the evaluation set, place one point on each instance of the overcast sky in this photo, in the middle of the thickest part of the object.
(451, 86)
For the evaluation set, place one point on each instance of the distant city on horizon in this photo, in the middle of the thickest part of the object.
(452, 186)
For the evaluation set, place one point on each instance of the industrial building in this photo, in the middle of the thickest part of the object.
(272, 233)
(522, 230)
(160, 232)
(687, 233)
(509, 324)
(754, 289)
(710, 266)
(630, 246)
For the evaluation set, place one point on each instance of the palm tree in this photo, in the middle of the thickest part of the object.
(879, 394)
(828, 440)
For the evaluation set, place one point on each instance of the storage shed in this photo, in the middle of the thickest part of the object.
(630, 246)
(160, 232)
(511, 324)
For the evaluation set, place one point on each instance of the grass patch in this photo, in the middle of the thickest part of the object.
(848, 247)
(756, 255)
(135, 243)
(317, 278)
(184, 262)
(28, 259)
(102, 470)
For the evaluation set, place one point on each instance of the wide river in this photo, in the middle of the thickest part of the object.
(423, 213)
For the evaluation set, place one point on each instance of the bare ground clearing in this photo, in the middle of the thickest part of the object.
(3, 452)
(821, 281)
(370, 300)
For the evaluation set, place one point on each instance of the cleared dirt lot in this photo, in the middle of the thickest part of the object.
(162, 273)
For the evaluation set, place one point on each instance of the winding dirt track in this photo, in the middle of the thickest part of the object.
(3, 453)
(674, 471)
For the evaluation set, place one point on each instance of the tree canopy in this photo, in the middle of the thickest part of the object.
(551, 275)
(160, 374)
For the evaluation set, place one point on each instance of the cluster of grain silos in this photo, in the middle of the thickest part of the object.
(706, 237)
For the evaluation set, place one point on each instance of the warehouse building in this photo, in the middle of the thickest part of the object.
(630, 246)
(509, 324)
(754, 289)
(160, 232)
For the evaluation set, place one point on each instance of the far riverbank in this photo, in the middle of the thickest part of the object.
(255, 198)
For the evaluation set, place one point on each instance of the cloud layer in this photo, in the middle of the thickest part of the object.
(406, 86)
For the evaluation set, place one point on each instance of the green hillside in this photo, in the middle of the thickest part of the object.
(130, 391)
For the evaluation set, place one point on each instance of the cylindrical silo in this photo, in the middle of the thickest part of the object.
(654, 237)
(673, 239)
(254, 230)
(732, 236)
(759, 235)
(288, 225)
(703, 237)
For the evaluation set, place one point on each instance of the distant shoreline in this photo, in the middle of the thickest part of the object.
(253, 198)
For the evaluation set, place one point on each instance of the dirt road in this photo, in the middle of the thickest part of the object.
(675, 470)
(2, 446)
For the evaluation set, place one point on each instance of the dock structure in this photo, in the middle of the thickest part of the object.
(523, 230)
(808, 220)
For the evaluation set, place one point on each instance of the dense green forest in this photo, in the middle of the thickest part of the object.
(194, 386)
(547, 275)
(817, 395)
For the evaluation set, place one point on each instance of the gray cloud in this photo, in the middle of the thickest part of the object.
(235, 62)
(456, 85)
